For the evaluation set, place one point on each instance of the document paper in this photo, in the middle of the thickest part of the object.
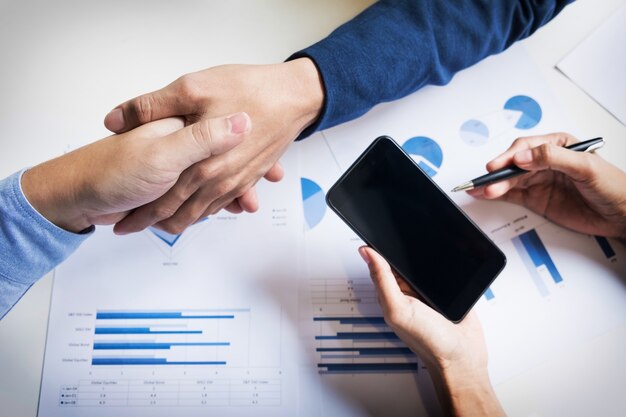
(274, 313)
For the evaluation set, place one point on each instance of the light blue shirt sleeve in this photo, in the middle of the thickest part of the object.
(30, 246)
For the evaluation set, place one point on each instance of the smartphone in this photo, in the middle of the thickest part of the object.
(394, 206)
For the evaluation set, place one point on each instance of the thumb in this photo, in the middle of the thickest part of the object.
(575, 165)
(390, 295)
(147, 108)
(204, 139)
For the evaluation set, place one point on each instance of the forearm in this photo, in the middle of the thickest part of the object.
(397, 46)
(30, 246)
(466, 393)
(49, 188)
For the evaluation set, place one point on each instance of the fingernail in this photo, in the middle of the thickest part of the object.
(364, 255)
(115, 120)
(239, 123)
(524, 157)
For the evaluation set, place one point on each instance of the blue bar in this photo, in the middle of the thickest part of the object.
(532, 270)
(353, 320)
(538, 253)
(147, 361)
(360, 336)
(156, 315)
(367, 367)
(141, 330)
(489, 294)
(134, 346)
(605, 246)
(397, 351)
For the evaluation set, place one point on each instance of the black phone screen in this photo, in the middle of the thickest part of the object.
(399, 211)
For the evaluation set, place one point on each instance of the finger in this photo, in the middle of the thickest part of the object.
(162, 208)
(498, 189)
(516, 196)
(506, 158)
(234, 207)
(390, 295)
(201, 140)
(477, 192)
(249, 201)
(166, 102)
(276, 173)
(204, 202)
(576, 165)
(406, 288)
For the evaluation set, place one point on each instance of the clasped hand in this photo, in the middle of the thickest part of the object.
(282, 99)
(103, 182)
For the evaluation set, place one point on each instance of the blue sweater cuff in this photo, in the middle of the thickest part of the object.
(30, 245)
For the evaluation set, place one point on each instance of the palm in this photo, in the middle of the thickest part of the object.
(575, 205)
(437, 339)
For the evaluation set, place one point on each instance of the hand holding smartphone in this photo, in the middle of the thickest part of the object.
(396, 208)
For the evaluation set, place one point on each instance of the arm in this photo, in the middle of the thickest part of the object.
(30, 245)
(396, 47)
(455, 354)
(387, 52)
(46, 212)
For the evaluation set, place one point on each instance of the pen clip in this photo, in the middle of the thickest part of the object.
(595, 146)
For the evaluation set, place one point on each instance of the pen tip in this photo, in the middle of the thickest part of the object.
(463, 187)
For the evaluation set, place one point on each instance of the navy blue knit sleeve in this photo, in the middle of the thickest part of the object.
(395, 47)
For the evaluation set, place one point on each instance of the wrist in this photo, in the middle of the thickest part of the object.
(49, 188)
(307, 88)
(466, 391)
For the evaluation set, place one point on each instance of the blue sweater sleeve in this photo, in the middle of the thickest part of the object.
(30, 246)
(395, 47)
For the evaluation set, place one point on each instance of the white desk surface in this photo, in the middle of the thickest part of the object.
(67, 63)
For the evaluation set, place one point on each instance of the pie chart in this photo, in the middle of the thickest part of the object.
(313, 202)
(426, 153)
(474, 132)
(529, 110)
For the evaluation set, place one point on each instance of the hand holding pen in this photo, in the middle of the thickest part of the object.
(514, 170)
(561, 182)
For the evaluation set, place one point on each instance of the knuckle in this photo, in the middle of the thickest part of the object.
(144, 108)
(519, 141)
(204, 172)
(564, 138)
(201, 133)
(174, 228)
(189, 88)
(544, 152)
(227, 186)
(162, 212)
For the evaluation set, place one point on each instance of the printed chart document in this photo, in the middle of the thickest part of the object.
(559, 290)
(189, 325)
(598, 65)
(274, 313)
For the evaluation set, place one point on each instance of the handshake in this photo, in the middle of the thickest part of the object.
(183, 152)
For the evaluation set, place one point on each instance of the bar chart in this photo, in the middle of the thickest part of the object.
(351, 335)
(537, 261)
(159, 338)
(197, 358)
(606, 248)
(489, 295)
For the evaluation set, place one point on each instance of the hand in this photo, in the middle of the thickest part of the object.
(577, 190)
(455, 354)
(101, 182)
(282, 99)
